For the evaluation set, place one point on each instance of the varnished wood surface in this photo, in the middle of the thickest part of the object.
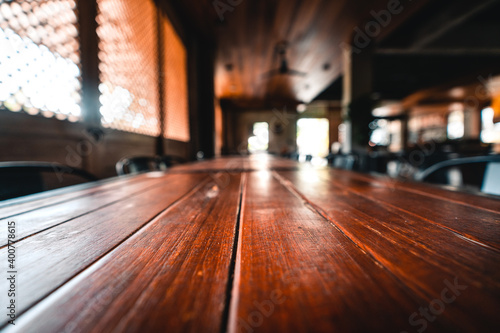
(254, 244)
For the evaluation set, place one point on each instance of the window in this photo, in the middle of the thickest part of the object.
(490, 132)
(40, 65)
(128, 65)
(176, 112)
(39, 59)
(259, 141)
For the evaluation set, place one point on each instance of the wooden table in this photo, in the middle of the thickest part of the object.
(252, 245)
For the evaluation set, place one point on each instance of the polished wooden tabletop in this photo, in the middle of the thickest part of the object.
(251, 245)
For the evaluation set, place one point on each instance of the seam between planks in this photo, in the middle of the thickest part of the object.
(457, 233)
(99, 259)
(367, 179)
(416, 293)
(233, 294)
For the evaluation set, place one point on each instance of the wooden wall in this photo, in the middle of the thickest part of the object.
(34, 138)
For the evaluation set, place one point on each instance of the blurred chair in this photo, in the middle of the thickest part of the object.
(24, 178)
(168, 161)
(139, 164)
(346, 162)
(477, 173)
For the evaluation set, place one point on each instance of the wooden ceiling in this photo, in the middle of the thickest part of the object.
(247, 33)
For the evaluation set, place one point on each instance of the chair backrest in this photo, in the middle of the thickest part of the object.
(346, 162)
(477, 173)
(166, 161)
(137, 164)
(24, 178)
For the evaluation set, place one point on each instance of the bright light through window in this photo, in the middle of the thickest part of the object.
(490, 131)
(39, 57)
(259, 141)
(456, 127)
(128, 66)
(313, 137)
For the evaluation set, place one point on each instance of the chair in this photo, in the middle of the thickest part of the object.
(139, 164)
(168, 161)
(346, 162)
(24, 178)
(477, 173)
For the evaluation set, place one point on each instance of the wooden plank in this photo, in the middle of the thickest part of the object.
(20, 205)
(296, 272)
(171, 276)
(433, 191)
(464, 218)
(35, 221)
(415, 251)
(48, 259)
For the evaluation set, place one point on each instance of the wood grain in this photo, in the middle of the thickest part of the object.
(34, 221)
(256, 245)
(298, 273)
(170, 276)
(52, 257)
(27, 203)
(414, 249)
(461, 214)
(432, 191)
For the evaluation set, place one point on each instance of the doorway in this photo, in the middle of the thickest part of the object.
(258, 142)
(313, 139)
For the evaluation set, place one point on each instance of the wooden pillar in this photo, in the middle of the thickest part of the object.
(356, 99)
(89, 48)
(160, 146)
(89, 68)
(202, 111)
